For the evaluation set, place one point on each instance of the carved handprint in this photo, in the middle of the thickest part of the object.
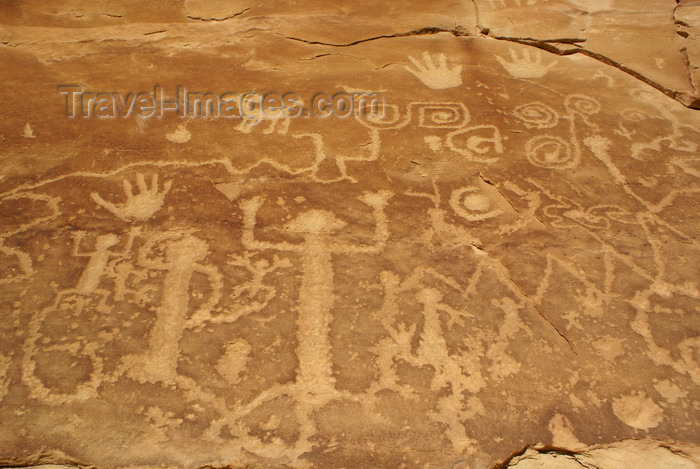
(402, 335)
(529, 65)
(138, 207)
(436, 75)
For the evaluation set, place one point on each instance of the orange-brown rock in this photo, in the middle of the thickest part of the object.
(496, 268)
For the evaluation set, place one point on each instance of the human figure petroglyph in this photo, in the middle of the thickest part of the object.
(317, 227)
(102, 259)
(139, 207)
(457, 374)
(432, 347)
(314, 385)
(435, 73)
(86, 298)
(399, 341)
(183, 255)
(97, 264)
(179, 255)
(432, 350)
(643, 302)
(600, 148)
(488, 267)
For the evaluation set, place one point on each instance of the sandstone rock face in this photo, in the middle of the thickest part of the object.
(489, 260)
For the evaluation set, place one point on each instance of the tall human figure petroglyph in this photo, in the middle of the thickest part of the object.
(316, 298)
(184, 256)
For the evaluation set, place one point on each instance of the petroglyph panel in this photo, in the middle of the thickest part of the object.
(504, 260)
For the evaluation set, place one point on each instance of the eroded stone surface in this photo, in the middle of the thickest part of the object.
(642, 38)
(643, 454)
(654, 41)
(507, 257)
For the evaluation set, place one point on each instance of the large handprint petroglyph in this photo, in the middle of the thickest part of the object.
(434, 72)
(527, 65)
(140, 206)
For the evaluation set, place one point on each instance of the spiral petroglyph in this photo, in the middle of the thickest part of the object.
(537, 115)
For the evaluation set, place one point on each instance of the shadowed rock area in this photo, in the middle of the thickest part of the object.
(481, 252)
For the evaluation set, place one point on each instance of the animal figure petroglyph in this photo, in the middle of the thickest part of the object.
(439, 334)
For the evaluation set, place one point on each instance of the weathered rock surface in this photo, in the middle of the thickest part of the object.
(642, 454)
(507, 258)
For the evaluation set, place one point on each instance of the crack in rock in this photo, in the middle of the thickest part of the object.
(226, 18)
(548, 45)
